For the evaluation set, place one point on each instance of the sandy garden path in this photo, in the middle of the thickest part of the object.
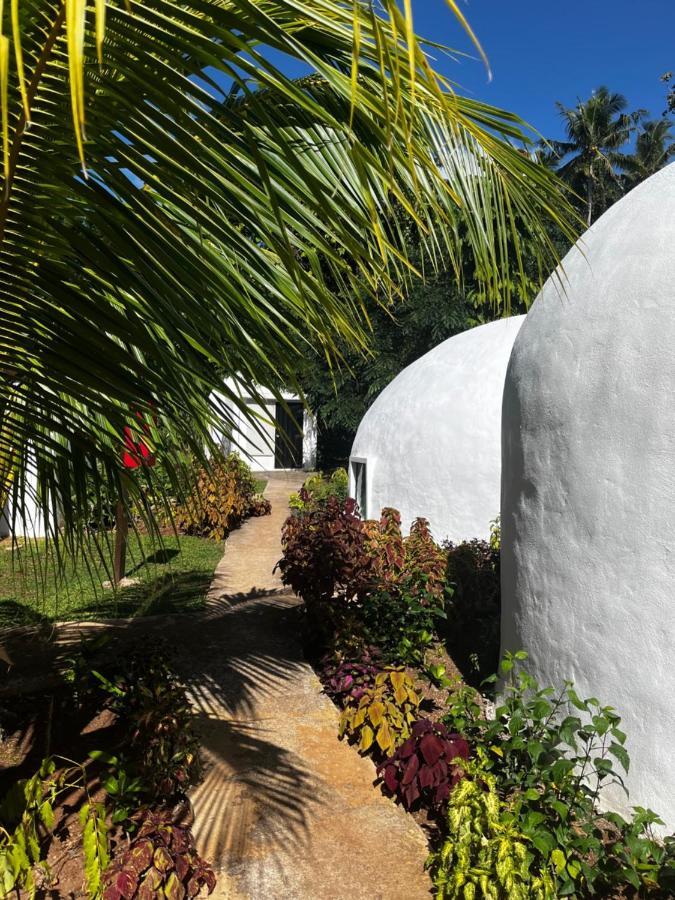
(285, 810)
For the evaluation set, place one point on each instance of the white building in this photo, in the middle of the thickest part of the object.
(588, 503)
(282, 435)
(430, 445)
(30, 523)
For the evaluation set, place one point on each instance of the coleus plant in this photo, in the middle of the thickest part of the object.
(160, 861)
(346, 680)
(424, 769)
(384, 714)
(161, 745)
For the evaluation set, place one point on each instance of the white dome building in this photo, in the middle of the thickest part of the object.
(588, 502)
(430, 443)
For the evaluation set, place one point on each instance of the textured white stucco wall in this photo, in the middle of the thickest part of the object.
(588, 503)
(431, 440)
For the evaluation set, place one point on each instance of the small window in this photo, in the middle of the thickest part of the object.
(359, 485)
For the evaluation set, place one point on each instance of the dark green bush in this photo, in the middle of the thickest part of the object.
(473, 612)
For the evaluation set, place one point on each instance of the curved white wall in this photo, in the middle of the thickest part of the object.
(588, 504)
(431, 440)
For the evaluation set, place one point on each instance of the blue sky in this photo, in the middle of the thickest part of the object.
(541, 52)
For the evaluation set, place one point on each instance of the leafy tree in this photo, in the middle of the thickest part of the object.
(197, 222)
(596, 129)
(434, 309)
(653, 150)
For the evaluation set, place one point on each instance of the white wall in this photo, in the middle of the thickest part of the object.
(431, 440)
(588, 509)
(255, 442)
(31, 525)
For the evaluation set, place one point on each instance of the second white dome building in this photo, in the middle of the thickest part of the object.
(430, 445)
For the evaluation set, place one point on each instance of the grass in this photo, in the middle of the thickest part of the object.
(173, 577)
(259, 485)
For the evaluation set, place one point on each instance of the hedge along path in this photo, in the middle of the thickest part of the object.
(285, 809)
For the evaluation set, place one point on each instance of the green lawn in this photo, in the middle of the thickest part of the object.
(173, 577)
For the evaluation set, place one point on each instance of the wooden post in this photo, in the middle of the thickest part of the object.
(121, 534)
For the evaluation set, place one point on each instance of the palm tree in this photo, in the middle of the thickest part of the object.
(596, 130)
(169, 190)
(653, 150)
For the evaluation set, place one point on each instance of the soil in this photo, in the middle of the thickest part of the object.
(40, 725)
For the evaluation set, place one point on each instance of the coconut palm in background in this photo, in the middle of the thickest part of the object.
(596, 129)
(176, 209)
(653, 150)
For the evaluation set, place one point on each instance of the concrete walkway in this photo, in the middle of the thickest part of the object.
(286, 811)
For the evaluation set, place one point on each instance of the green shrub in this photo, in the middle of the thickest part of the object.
(363, 582)
(485, 855)
(550, 754)
(401, 610)
(383, 716)
(318, 487)
(223, 496)
(496, 534)
(27, 821)
(154, 763)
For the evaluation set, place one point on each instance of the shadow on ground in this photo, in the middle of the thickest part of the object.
(235, 664)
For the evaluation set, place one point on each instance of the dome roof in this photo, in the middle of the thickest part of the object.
(431, 440)
(588, 546)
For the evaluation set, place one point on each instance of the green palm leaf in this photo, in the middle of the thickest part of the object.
(230, 216)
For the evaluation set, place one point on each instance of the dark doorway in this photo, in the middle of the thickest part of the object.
(288, 440)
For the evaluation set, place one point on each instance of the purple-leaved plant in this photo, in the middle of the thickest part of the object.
(423, 771)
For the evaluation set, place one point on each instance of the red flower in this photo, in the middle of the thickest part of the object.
(135, 453)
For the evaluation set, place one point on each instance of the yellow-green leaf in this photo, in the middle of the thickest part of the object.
(367, 737)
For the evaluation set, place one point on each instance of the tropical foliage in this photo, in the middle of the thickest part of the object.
(546, 756)
(669, 80)
(485, 855)
(654, 148)
(596, 131)
(128, 795)
(224, 495)
(318, 487)
(382, 718)
(346, 681)
(424, 769)
(160, 861)
(197, 220)
(513, 794)
(593, 158)
(363, 583)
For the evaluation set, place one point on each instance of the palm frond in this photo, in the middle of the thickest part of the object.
(229, 218)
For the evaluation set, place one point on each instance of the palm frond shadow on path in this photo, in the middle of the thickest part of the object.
(246, 677)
